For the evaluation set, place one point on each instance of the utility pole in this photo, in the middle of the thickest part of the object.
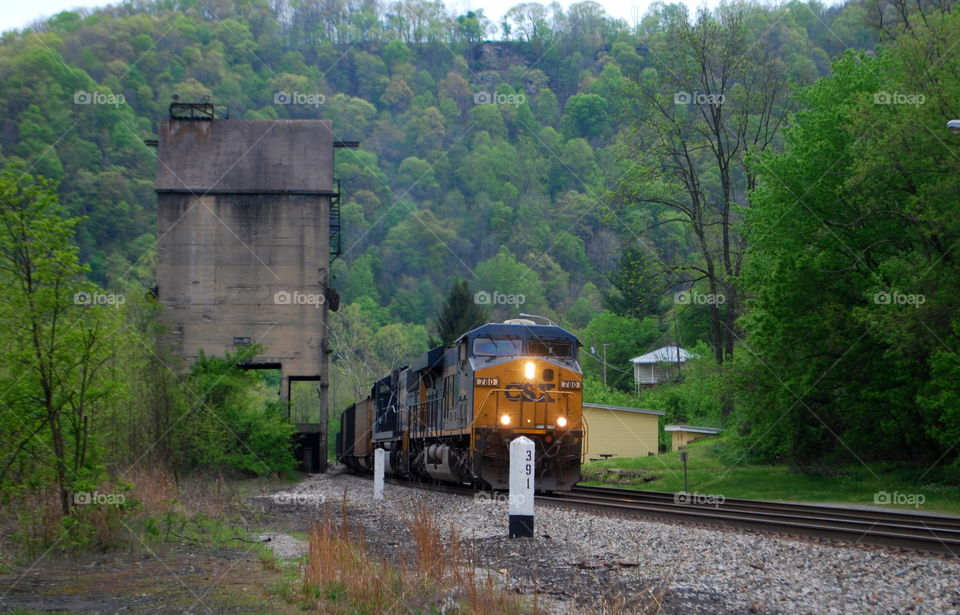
(605, 363)
(603, 360)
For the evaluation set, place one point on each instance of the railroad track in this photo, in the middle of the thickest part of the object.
(894, 528)
(890, 528)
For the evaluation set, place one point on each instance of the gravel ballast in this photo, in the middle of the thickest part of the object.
(583, 562)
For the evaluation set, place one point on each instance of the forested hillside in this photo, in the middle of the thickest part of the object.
(500, 162)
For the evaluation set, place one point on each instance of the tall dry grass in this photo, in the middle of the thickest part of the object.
(153, 487)
(31, 521)
(432, 560)
(340, 576)
(338, 570)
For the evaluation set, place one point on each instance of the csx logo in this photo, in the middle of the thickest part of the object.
(529, 391)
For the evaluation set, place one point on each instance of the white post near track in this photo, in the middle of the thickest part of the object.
(522, 473)
(378, 456)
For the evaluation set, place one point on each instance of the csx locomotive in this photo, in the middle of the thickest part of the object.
(450, 415)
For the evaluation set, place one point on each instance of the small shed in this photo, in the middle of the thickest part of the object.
(618, 431)
(685, 434)
(660, 365)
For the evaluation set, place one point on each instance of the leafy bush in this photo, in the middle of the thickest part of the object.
(234, 421)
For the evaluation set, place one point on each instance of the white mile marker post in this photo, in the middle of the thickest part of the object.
(378, 456)
(522, 471)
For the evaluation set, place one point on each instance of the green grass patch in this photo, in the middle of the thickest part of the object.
(713, 468)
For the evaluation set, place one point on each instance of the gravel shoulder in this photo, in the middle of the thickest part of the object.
(582, 562)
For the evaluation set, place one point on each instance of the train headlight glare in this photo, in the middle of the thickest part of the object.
(561, 421)
(529, 370)
(505, 419)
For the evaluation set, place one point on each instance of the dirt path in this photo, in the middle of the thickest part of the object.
(185, 580)
(200, 577)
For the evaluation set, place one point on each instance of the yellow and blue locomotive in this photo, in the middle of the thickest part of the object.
(450, 415)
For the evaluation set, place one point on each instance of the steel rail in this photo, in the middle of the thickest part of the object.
(839, 510)
(903, 529)
(895, 528)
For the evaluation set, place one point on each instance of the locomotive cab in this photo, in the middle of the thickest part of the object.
(527, 381)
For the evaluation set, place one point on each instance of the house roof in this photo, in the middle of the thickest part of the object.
(667, 354)
(693, 429)
(623, 409)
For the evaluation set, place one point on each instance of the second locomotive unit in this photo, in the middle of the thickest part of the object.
(450, 415)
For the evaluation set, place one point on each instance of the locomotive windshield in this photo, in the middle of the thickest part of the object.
(493, 347)
(550, 348)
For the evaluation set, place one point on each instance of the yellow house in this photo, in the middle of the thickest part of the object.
(621, 432)
(685, 434)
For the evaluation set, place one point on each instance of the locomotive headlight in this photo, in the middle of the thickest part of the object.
(561, 421)
(505, 419)
(529, 370)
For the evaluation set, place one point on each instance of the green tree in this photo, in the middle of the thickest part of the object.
(546, 108)
(459, 313)
(853, 313)
(473, 26)
(714, 96)
(397, 344)
(58, 338)
(235, 420)
(585, 115)
(416, 176)
(359, 280)
(395, 53)
(640, 282)
(351, 334)
(624, 338)
(351, 116)
(587, 305)
(504, 276)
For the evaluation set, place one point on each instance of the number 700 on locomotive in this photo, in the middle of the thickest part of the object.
(451, 414)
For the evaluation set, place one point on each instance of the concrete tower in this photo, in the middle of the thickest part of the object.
(244, 249)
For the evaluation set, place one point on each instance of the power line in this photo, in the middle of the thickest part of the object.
(602, 362)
